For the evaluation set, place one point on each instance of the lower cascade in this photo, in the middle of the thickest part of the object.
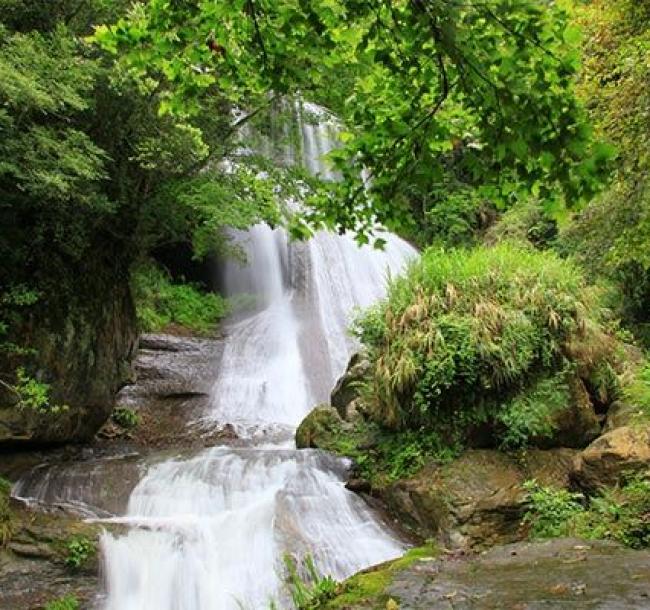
(209, 530)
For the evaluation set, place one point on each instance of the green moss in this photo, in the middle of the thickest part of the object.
(68, 602)
(368, 588)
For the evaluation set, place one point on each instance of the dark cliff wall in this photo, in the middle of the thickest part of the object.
(82, 346)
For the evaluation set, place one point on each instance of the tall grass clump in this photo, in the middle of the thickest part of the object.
(465, 332)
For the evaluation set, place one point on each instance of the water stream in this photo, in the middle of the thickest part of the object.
(208, 530)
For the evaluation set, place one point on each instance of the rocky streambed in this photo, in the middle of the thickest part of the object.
(59, 488)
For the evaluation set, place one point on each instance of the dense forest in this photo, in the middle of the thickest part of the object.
(508, 140)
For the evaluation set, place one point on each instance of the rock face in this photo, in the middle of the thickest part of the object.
(478, 499)
(83, 350)
(609, 458)
(173, 380)
(33, 570)
(562, 573)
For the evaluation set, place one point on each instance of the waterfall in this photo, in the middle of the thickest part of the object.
(208, 531)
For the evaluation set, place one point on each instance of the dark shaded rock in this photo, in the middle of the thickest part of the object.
(611, 457)
(174, 378)
(83, 350)
(319, 428)
(578, 424)
(358, 486)
(347, 387)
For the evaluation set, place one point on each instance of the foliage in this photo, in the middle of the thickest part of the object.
(530, 414)
(426, 86)
(611, 236)
(525, 222)
(160, 303)
(464, 334)
(619, 513)
(68, 602)
(551, 510)
(309, 591)
(125, 417)
(636, 390)
(79, 550)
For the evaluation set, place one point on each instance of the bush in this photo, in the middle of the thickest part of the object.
(125, 417)
(69, 602)
(464, 335)
(620, 513)
(79, 550)
(160, 303)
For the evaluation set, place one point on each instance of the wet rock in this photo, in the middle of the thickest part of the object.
(359, 486)
(319, 428)
(347, 387)
(611, 457)
(564, 573)
(33, 570)
(174, 377)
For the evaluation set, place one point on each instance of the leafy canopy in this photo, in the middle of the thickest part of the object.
(489, 81)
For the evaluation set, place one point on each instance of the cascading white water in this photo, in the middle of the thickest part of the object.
(208, 531)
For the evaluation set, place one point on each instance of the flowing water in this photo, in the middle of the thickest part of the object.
(208, 531)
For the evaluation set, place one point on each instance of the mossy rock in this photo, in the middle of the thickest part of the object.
(319, 429)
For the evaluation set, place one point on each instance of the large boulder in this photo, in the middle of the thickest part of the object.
(347, 387)
(562, 573)
(319, 429)
(612, 457)
(478, 499)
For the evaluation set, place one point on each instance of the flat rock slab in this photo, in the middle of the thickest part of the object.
(562, 573)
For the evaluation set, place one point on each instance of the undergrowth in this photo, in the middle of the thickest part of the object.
(308, 589)
(68, 602)
(620, 513)
(161, 303)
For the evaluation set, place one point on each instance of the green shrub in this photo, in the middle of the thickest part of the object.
(552, 512)
(79, 550)
(309, 590)
(69, 602)
(464, 335)
(125, 417)
(619, 513)
(160, 303)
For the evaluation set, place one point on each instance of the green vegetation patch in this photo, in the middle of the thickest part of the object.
(369, 587)
(6, 515)
(68, 602)
(161, 303)
(483, 337)
(619, 513)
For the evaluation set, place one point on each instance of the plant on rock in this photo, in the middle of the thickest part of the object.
(483, 338)
(79, 550)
